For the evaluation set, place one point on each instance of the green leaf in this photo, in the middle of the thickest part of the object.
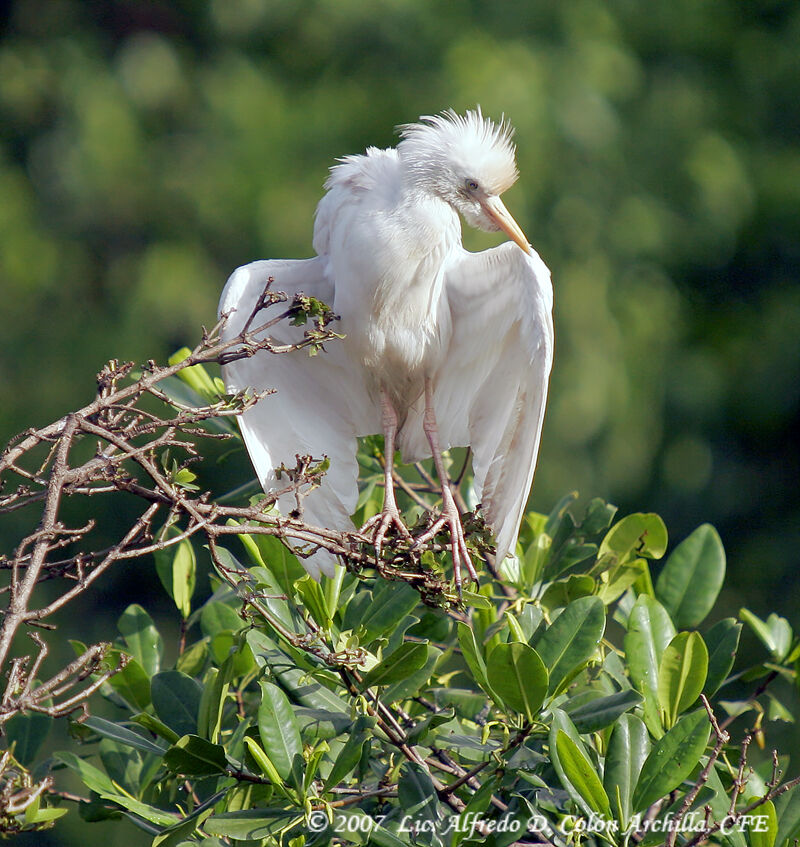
(303, 690)
(519, 677)
(350, 754)
(194, 756)
(251, 824)
(132, 683)
(762, 825)
(627, 750)
(278, 729)
(635, 536)
(571, 640)
(195, 376)
(650, 630)
(581, 774)
(422, 728)
(410, 685)
(123, 765)
(673, 757)
(722, 641)
(563, 591)
(391, 603)
(362, 828)
(176, 700)
(616, 580)
(142, 638)
(156, 726)
(681, 674)
(775, 633)
(178, 834)
(314, 600)
(720, 803)
(27, 732)
(217, 616)
(93, 778)
(603, 711)
(560, 722)
(473, 656)
(319, 724)
(417, 795)
(212, 700)
(177, 570)
(280, 561)
(123, 735)
(787, 807)
(407, 658)
(692, 577)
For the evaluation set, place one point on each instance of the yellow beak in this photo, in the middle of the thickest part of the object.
(496, 210)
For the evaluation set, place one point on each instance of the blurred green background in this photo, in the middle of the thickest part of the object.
(148, 148)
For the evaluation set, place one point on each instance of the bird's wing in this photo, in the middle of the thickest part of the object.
(491, 389)
(319, 404)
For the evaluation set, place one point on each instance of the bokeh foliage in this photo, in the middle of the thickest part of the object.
(147, 148)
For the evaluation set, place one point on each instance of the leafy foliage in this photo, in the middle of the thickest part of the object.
(350, 712)
(565, 698)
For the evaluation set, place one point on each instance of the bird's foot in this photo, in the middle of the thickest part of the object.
(451, 518)
(379, 526)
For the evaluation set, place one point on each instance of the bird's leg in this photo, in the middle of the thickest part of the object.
(390, 514)
(450, 514)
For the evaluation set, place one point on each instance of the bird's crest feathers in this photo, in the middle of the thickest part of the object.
(483, 149)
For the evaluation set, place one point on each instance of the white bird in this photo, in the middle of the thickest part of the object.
(442, 347)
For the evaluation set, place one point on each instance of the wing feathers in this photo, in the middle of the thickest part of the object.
(502, 297)
(319, 404)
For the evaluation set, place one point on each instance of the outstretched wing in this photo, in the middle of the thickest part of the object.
(319, 406)
(491, 389)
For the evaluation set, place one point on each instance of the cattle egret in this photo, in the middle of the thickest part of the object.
(442, 347)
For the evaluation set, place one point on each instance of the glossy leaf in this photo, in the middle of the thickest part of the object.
(582, 774)
(649, 632)
(251, 824)
(722, 641)
(417, 795)
(603, 711)
(176, 700)
(123, 735)
(194, 756)
(681, 674)
(278, 729)
(131, 683)
(775, 633)
(391, 602)
(141, 638)
(519, 677)
(560, 723)
(692, 577)
(177, 570)
(763, 825)
(627, 750)
(473, 656)
(673, 757)
(407, 658)
(283, 564)
(572, 639)
(350, 754)
(787, 808)
(313, 599)
(635, 536)
(304, 690)
(409, 685)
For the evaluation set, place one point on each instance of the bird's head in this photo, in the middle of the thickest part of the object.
(467, 161)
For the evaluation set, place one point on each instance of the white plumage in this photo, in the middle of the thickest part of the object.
(422, 318)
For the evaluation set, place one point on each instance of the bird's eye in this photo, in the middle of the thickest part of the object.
(471, 184)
